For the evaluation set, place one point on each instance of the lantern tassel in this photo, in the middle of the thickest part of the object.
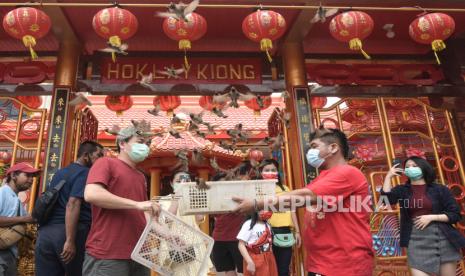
(29, 41)
(265, 45)
(114, 41)
(356, 45)
(185, 44)
(186, 62)
(438, 45)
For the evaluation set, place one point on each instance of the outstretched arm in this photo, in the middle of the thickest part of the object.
(97, 195)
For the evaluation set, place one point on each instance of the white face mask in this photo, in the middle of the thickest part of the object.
(176, 186)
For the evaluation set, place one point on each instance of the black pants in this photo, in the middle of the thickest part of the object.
(50, 241)
(226, 256)
(283, 257)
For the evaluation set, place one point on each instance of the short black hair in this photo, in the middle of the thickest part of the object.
(218, 176)
(244, 168)
(332, 135)
(267, 162)
(428, 171)
(88, 147)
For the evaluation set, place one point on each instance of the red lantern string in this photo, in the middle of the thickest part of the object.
(352, 27)
(185, 32)
(432, 28)
(264, 27)
(115, 24)
(27, 24)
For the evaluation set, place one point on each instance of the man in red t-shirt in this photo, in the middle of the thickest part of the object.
(117, 191)
(337, 235)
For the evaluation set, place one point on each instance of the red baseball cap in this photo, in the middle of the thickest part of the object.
(22, 167)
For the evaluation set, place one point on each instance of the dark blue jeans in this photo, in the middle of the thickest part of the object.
(283, 256)
(49, 246)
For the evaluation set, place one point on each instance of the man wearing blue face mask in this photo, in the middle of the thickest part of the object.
(338, 242)
(117, 192)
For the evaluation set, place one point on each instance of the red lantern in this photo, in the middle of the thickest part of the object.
(115, 24)
(5, 157)
(432, 28)
(27, 24)
(352, 27)
(253, 104)
(264, 27)
(118, 104)
(256, 155)
(206, 102)
(33, 102)
(169, 103)
(318, 102)
(185, 32)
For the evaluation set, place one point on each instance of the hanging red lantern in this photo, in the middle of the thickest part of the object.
(5, 157)
(169, 103)
(432, 28)
(185, 32)
(256, 155)
(33, 102)
(115, 24)
(256, 107)
(206, 102)
(352, 27)
(264, 27)
(118, 104)
(27, 24)
(318, 102)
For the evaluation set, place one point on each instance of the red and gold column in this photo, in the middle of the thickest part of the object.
(295, 75)
(60, 130)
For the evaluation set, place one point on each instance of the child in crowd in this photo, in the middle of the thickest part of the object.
(255, 245)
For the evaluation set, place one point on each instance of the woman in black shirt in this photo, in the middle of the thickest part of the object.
(427, 212)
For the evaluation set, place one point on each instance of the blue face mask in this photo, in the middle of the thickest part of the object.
(139, 152)
(414, 173)
(314, 159)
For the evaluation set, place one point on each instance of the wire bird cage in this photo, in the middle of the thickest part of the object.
(169, 246)
(218, 198)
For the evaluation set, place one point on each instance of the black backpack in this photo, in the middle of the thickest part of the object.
(45, 203)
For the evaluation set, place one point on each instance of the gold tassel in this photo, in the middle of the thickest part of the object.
(265, 45)
(114, 41)
(185, 44)
(29, 41)
(356, 45)
(186, 62)
(119, 113)
(438, 45)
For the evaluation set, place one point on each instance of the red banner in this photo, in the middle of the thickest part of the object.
(201, 70)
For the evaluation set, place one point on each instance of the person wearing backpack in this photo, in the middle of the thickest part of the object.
(285, 226)
(19, 177)
(61, 238)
